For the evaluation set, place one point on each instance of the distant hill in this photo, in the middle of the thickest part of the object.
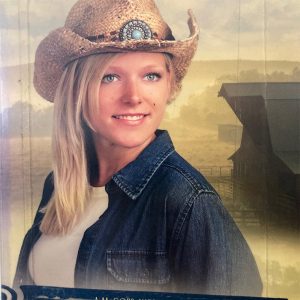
(203, 70)
(208, 71)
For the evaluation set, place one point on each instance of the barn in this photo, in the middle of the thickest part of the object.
(266, 167)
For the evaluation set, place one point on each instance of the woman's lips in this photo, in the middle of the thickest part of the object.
(131, 118)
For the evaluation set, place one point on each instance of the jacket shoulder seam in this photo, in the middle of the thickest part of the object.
(184, 212)
(201, 187)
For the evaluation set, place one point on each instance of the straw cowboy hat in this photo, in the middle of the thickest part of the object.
(101, 26)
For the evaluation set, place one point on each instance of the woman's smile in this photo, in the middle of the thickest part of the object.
(130, 117)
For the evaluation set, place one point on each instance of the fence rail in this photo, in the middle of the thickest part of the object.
(276, 207)
(215, 171)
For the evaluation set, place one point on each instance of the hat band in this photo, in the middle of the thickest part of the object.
(131, 30)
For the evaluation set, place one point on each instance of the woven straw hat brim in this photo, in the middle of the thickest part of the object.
(63, 46)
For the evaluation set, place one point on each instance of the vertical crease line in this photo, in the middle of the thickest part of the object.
(30, 109)
(267, 220)
(237, 72)
(21, 156)
(238, 69)
(238, 42)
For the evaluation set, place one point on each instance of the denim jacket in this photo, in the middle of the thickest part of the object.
(165, 229)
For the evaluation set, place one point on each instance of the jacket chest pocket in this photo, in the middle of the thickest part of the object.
(137, 268)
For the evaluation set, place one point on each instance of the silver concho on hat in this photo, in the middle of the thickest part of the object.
(135, 30)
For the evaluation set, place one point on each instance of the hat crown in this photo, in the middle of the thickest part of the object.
(95, 17)
(110, 26)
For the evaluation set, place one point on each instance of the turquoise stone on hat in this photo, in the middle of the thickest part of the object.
(137, 34)
(135, 30)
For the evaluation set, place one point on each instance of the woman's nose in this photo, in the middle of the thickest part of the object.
(131, 93)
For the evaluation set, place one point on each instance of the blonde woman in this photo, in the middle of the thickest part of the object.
(122, 209)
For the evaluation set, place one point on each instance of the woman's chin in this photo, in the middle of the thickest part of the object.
(134, 141)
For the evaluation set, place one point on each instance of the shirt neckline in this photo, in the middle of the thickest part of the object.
(134, 177)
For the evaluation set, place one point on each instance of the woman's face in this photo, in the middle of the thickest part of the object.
(133, 95)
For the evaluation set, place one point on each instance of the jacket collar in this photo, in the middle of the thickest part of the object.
(134, 177)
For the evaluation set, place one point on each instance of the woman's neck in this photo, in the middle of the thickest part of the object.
(112, 158)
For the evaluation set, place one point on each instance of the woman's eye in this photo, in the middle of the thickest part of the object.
(153, 76)
(109, 78)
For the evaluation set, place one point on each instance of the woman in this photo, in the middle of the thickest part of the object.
(122, 210)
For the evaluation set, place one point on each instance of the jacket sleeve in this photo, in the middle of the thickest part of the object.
(22, 275)
(46, 196)
(210, 255)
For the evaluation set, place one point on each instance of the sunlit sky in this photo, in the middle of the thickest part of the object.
(230, 29)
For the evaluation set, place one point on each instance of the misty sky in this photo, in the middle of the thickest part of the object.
(230, 29)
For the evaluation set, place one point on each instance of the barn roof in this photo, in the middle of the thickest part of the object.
(271, 114)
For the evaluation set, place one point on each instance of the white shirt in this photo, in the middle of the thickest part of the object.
(52, 259)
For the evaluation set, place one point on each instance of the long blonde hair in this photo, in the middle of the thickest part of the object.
(80, 81)
(73, 158)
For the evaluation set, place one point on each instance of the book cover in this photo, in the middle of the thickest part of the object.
(236, 120)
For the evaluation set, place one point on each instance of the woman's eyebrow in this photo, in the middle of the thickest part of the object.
(154, 67)
(121, 70)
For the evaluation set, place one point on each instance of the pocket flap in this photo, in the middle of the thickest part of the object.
(138, 266)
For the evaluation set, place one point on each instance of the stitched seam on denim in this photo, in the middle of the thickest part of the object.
(184, 212)
(139, 188)
(198, 189)
(194, 183)
(135, 252)
(139, 253)
(182, 216)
